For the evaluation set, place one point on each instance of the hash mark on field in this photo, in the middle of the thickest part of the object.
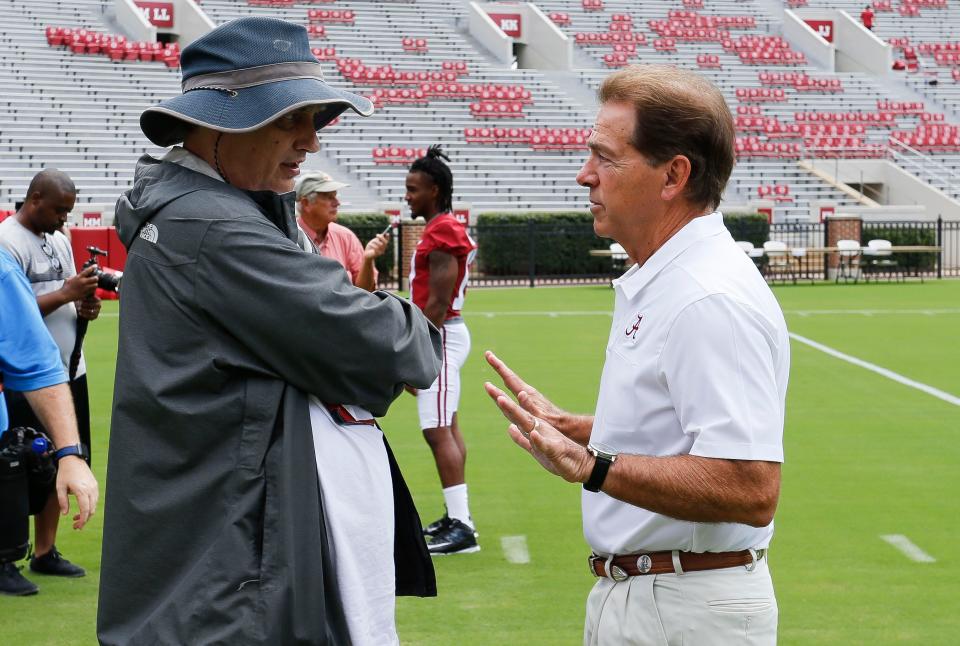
(908, 547)
(889, 374)
(515, 549)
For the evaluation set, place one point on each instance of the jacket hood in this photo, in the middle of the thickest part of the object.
(156, 183)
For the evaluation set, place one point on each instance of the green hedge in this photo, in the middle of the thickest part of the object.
(560, 244)
(748, 226)
(556, 244)
(366, 226)
(900, 236)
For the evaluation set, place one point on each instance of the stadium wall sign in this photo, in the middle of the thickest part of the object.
(160, 14)
(509, 23)
(822, 27)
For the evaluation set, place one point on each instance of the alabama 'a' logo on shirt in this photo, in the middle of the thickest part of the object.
(631, 330)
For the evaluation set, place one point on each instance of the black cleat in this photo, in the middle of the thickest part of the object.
(54, 564)
(455, 538)
(434, 527)
(13, 583)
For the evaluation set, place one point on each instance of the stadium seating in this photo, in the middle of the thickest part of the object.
(536, 138)
(775, 192)
(331, 16)
(497, 110)
(411, 44)
(117, 48)
(397, 155)
(525, 133)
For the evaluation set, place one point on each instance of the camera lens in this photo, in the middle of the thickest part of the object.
(108, 282)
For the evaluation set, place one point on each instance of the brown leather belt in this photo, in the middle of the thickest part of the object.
(621, 566)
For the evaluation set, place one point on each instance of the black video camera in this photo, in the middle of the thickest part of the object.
(109, 282)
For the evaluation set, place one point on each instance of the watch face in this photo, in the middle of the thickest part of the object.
(599, 448)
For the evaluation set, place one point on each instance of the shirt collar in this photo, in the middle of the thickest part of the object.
(310, 231)
(697, 229)
(183, 157)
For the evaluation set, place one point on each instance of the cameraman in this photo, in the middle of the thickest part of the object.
(29, 362)
(34, 240)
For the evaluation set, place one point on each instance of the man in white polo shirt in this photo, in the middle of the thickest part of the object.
(681, 463)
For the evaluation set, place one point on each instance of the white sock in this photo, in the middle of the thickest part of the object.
(455, 498)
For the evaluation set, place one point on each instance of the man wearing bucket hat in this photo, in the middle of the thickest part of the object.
(217, 527)
(317, 206)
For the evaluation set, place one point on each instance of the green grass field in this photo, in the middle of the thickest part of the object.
(866, 456)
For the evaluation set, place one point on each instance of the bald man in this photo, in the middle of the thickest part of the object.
(34, 238)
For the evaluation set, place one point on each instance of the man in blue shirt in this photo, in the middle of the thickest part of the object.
(30, 362)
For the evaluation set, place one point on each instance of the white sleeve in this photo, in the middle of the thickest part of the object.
(719, 365)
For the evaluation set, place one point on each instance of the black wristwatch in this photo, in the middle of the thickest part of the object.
(74, 449)
(604, 458)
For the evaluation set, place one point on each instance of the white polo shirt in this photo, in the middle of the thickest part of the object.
(697, 363)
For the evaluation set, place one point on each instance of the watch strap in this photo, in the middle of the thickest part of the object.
(599, 473)
(73, 449)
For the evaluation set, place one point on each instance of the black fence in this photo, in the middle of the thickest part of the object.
(801, 261)
(948, 239)
(532, 253)
(541, 253)
(527, 253)
(919, 264)
(809, 256)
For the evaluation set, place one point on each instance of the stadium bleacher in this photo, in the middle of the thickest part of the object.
(516, 137)
(777, 137)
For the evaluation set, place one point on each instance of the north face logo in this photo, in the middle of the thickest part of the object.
(149, 233)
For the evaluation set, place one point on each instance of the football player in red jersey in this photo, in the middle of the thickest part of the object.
(438, 284)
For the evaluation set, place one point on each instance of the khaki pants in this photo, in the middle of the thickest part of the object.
(721, 607)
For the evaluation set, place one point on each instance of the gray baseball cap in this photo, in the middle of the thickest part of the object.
(317, 182)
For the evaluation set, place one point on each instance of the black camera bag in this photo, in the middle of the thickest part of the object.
(14, 501)
(27, 479)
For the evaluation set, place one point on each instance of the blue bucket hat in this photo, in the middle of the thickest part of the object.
(243, 75)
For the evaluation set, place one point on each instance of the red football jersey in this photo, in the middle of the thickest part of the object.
(443, 233)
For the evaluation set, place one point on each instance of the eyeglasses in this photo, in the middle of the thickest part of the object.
(54, 259)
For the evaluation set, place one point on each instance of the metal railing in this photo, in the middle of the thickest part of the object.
(533, 253)
(929, 169)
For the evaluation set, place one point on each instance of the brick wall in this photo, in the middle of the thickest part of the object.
(842, 228)
(411, 231)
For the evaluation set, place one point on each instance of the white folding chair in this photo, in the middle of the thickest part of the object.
(878, 258)
(778, 260)
(798, 256)
(848, 260)
(618, 255)
(755, 254)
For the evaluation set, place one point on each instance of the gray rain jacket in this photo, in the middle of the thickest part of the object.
(214, 529)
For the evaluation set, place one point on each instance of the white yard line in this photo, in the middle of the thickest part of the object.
(922, 312)
(515, 549)
(889, 374)
(551, 314)
(548, 313)
(908, 548)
